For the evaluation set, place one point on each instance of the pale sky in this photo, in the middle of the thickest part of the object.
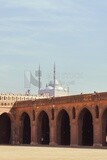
(71, 33)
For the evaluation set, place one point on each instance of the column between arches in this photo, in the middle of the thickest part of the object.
(52, 133)
(97, 132)
(73, 132)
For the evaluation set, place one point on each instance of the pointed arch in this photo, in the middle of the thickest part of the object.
(85, 128)
(25, 128)
(63, 128)
(5, 129)
(104, 128)
(43, 130)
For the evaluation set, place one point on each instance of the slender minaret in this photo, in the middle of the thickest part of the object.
(54, 78)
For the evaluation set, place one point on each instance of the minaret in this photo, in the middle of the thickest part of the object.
(54, 78)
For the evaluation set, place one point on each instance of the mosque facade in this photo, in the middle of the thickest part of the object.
(77, 120)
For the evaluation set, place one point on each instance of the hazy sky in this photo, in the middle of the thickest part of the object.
(71, 33)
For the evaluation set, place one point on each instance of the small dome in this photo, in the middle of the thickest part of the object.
(60, 88)
(49, 87)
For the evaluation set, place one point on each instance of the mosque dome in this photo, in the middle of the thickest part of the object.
(49, 90)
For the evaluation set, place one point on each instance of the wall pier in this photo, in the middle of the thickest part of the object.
(52, 133)
(73, 133)
(33, 134)
(97, 133)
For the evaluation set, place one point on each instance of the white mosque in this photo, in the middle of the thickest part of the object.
(55, 90)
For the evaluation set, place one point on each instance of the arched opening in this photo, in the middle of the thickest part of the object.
(104, 128)
(5, 129)
(85, 128)
(43, 128)
(26, 129)
(63, 128)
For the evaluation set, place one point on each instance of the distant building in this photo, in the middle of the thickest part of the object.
(8, 99)
(53, 90)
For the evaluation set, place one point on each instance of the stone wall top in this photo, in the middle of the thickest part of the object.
(63, 100)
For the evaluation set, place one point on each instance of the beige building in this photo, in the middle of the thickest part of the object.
(7, 100)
